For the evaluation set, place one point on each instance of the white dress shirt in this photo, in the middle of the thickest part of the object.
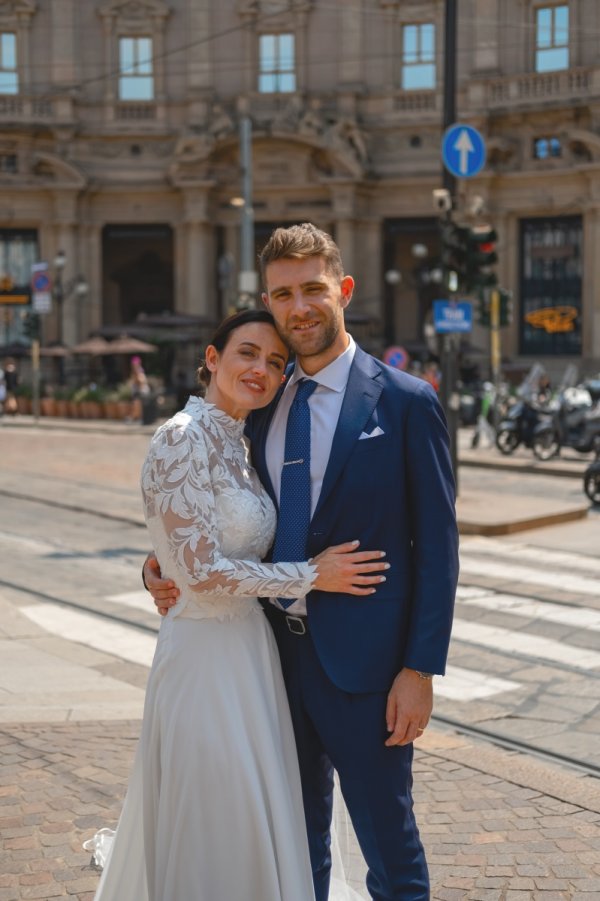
(325, 404)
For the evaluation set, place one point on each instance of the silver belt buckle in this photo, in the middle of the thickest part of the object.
(296, 624)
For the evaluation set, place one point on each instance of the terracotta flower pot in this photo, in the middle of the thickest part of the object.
(48, 406)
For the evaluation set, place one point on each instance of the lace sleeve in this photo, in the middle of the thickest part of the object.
(177, 489)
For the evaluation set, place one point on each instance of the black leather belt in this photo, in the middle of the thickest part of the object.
(297, 625)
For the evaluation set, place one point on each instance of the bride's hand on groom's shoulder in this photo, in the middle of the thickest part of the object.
(164, 591)
(344, 569)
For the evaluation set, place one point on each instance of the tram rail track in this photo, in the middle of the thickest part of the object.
(497, 738)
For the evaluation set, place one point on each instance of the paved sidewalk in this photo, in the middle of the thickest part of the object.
(497, 825)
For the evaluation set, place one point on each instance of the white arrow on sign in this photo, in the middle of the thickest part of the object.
(464, 145)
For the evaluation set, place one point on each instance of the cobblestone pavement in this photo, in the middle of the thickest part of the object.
(488, 837)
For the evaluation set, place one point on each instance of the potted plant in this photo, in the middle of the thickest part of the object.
(24, 394)
(61, 396)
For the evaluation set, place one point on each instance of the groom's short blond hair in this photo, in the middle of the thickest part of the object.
(299, 242)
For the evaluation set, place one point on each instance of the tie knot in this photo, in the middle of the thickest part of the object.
(304, 390)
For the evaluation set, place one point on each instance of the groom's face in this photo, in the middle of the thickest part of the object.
(308, 302)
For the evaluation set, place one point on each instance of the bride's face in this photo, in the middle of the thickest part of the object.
(246, 374)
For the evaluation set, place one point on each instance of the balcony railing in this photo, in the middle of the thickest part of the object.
(17, 108)
(135, 112)
(534, 88)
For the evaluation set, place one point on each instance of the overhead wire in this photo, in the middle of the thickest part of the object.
(263, 20)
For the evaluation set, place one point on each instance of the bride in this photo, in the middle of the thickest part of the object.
(213, 810)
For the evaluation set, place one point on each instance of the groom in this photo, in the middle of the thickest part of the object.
(358, 671)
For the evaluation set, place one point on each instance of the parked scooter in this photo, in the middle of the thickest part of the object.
(521, 419)
(591, 479)
(520, 425)
(575, 424)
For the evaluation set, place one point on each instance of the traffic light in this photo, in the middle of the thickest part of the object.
(31, 326)
(455, 244)
(471, 253)
(481, 257)
(506, 307)
(484, 305)
(483, 310)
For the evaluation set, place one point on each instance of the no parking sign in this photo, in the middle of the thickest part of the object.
(396, 357)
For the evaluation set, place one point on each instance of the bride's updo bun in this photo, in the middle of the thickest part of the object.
(224, 331)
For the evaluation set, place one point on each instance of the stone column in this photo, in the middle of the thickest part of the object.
(66, 238)
(200, 290)
(486, 37)
(351, 42)
(91, 313)
(199, 61)
(63, 42)
(367, 267)
(343, 202)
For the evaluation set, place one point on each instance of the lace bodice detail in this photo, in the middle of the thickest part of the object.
(210, 520)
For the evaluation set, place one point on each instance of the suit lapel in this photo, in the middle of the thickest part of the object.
(360, 399)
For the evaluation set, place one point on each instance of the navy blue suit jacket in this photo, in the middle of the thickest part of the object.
(395, 492)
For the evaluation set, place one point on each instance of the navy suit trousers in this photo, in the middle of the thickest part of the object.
(346, 732)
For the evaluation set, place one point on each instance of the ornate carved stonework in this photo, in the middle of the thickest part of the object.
(15, 9)
(135, 9)
(272, 7)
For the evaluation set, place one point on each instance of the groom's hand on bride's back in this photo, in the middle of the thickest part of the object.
(164, 591)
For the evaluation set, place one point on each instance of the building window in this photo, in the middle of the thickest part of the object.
(277, 67)
(551, 38)
(418, 57)
(136, 79)
(9, 78)
(9, 163)
(547, 148)
(550, 319)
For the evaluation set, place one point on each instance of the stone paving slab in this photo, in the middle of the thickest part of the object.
(495, 825)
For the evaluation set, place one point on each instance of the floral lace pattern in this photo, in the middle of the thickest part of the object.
(210, 519)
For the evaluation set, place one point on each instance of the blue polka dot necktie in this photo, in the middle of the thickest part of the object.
(294, 496)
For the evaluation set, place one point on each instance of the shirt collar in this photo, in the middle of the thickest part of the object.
(333, 376)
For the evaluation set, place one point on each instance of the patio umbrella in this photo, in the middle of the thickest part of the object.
(55, 350)
(125, 344)
(93, 346)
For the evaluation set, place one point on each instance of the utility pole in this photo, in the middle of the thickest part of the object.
(449, 353)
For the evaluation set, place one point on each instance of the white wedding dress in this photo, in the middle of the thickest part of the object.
(213, 810)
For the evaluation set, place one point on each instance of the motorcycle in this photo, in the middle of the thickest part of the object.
(520, 425)
(575, 424)
(591, 480)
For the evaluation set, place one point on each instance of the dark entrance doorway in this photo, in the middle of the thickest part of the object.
(137, 272)
(408, 300)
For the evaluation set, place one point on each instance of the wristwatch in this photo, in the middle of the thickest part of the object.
(424, 675)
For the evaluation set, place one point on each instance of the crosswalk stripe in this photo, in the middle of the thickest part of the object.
(469, 685)
(506, 641)
(97, 633)
(138, 600)
(515, 573)
(577, 617)
(531, 554)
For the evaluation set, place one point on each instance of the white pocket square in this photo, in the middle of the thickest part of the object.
(376, 431)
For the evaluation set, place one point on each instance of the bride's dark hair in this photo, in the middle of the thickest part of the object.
(226, 328)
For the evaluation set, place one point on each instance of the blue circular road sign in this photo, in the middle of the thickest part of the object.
(463, 151)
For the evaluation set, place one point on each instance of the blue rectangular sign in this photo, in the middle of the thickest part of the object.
(450, 316)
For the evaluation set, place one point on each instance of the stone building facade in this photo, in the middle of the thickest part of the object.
(119, 145)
